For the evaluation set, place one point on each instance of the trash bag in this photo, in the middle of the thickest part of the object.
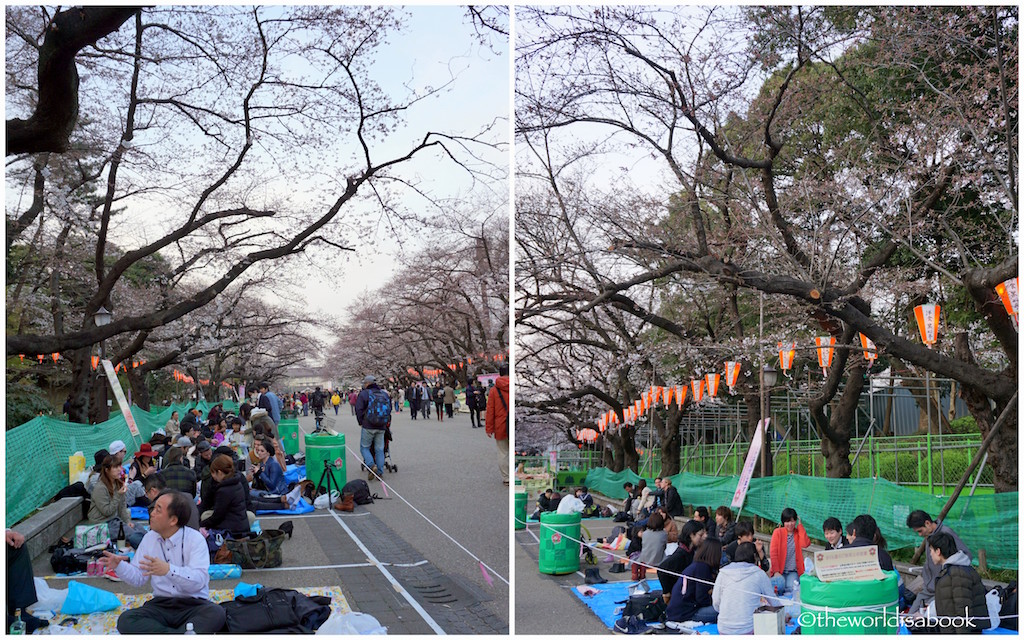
(322, 502)
(352, 624)
(82, 598)
(48, 599)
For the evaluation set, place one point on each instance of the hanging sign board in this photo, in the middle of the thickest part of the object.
(748, 466)
(855, 563)
(122, 402)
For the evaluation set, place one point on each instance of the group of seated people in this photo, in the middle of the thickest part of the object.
(230, 487)
(729, 572)
(166, 475)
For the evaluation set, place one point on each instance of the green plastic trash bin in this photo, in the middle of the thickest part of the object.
(323, 446)
(559, 543)
(846, 601)
(288, 431)
(520, 511)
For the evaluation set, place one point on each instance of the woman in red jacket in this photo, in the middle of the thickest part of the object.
(786, 552)
(496, 420)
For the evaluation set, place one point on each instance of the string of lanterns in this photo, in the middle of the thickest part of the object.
(927, 316)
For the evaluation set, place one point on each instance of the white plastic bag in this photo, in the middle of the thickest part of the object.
(994, 606)
(322, 502)
(349, 624)
(48, 599)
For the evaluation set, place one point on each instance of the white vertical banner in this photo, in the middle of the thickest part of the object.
(753, 454)
(122, 402)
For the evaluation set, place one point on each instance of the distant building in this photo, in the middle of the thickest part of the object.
(303, 379)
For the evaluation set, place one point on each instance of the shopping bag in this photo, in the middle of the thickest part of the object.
(88, 535)
(76, 465)
(82, 599)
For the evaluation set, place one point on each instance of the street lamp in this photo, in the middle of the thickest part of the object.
(102, 319)
(769, 376)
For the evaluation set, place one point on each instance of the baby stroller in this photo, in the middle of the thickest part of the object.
(388, 463)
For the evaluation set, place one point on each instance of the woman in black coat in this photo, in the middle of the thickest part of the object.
(228, 499)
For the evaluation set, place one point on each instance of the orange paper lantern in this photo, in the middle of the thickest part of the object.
(1008, 293)
(825, 351)
(928, 322)
(786, 355)
(870, 352)
(698, 389)
(712, 380)
(732, 374)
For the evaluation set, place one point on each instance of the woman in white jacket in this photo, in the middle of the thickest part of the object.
(739, 589)
(642, 505)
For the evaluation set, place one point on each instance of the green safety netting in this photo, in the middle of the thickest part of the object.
(37, 452)
(988, 522)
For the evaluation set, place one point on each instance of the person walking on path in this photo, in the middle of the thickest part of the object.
(352, 395)
(176, 561)
(439, 401)
(373, 413)
(412, 394)
(449, 399)
(336, 401)
(497, 419)
(424, 392)
(473, 403)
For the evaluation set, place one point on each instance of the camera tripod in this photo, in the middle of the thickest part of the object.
(328, 477)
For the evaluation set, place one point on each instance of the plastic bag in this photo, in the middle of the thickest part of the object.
(48, 599)
(348, 624)
(246, 589)
(994, 606)
(76, 465)
(82, 598)
(322, 502)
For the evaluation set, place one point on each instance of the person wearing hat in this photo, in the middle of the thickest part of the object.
(118, 450)
(203, 455)
(94, 475)
(371, 439)
(141, 468)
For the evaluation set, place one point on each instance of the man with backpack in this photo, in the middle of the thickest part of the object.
(373, 413)
(496, 420)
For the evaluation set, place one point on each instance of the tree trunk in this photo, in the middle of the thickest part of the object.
(668, 433)
(80, 388)
(140, 393)
(1002, 453)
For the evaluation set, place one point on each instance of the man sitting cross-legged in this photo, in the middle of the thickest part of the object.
(177, 560)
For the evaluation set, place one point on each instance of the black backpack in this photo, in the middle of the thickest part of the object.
(65, 561)
(649, 607)
(360, 491)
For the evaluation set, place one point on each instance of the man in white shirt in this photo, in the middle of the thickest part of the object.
(177, 561)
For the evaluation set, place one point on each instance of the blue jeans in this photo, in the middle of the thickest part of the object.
(705, 614)
(374, 437)
(785, 583)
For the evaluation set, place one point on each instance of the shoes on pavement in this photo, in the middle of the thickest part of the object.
(111, 575)
(632, 625)
(372, 474)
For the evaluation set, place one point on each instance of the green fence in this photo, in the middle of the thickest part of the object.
(37, 452)
(931, 464)
(988, 522)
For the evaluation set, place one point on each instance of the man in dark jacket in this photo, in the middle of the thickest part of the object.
(371, 440)
(863, 528)
(673, 503)
(959, 592)
(412, 395)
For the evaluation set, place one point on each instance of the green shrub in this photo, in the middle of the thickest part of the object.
(24, 402)
(966, 424)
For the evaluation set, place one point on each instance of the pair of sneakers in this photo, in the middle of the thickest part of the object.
(632, 625)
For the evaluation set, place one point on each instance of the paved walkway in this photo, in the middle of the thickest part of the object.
(544, 603)
(387, 559)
